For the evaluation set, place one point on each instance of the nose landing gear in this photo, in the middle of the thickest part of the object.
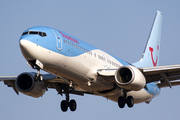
(38, 76)
(36, 64)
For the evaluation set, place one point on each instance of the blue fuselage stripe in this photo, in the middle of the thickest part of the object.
(71, 46)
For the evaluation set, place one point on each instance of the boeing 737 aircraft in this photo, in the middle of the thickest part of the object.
(76, 67)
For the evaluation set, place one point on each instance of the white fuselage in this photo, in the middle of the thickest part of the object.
(81, 69)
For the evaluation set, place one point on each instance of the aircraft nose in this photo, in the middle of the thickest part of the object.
(23, 44)
(26, 49)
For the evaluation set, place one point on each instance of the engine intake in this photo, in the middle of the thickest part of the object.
(130, 78)
(26, 84)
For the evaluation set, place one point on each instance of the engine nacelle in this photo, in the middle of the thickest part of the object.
(26, 84)
(130, 78)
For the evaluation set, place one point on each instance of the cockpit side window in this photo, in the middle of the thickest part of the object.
(25, 33)
(42, 34)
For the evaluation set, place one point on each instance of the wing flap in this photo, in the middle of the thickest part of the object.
(10, 82)
(174, 83)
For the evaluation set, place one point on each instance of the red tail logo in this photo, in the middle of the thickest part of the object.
(151, 49)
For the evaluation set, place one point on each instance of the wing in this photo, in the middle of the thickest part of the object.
(51, 81)
(167, 75)
(163, 75)
(10, 82)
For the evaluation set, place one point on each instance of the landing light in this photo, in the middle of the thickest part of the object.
(70, 85)
(89, 83)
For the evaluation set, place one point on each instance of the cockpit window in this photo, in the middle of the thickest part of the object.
(42, 34)
(24, 33)
(34, 32)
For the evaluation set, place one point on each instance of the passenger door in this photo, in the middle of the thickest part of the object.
(58, 39)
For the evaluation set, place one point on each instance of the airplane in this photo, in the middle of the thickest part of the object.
(76, 67)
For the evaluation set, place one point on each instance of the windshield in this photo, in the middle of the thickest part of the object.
(42, 34)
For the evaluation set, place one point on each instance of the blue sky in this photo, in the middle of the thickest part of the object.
(118, 27)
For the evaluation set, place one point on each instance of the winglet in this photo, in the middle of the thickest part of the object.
(150, 56)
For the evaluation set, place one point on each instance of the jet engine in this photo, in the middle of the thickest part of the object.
(27, 84)
(130, 78)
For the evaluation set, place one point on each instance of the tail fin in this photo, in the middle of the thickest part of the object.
(150, 56)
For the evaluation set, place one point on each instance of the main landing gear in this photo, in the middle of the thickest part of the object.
(66, 103)
(122, 100)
